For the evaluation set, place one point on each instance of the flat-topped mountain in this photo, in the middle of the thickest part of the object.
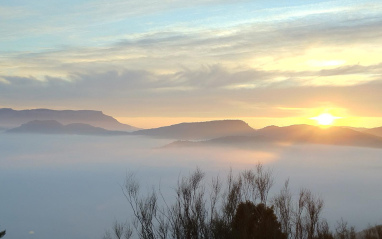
(295, 134)
(10, 118)
(54, 127)
(199, 130)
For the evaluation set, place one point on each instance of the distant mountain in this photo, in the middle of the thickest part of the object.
(54, 127)
(199, 130)
(360, 129)
(295, 134)
(317, 135)
(374, 131)
(10, 118)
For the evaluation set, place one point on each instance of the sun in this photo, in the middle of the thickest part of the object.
(325, 119)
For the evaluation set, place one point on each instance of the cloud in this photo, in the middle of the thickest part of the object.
(249, 68)
(14, 12)
(73, 20)
(207, 91)
(207, 77)
(250, 46)
(120, 9)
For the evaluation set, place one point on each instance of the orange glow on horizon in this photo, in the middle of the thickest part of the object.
(258, 122)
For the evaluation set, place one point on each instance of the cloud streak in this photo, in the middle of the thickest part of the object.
(251, 67)
(204, 93)
(250, 42)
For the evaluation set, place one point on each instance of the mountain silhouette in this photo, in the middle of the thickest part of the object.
(10, 118)
(294, 134)
(199, 130)
(374, 131)
(54, 127)
(317, 135)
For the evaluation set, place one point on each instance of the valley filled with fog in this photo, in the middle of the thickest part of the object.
(69, 186)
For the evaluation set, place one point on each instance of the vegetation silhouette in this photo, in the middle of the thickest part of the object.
(2, 233)
(256, 221)
(238, 207)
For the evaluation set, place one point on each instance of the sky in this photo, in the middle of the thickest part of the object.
(152, 63)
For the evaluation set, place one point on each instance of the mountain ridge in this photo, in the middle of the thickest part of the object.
(55, 127)
(374, 131)
(199, 130)
(294, 134)
(10, 118)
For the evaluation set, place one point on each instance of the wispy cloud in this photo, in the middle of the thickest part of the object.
(253, 66)
(120, 9)
(287, 48)
(204, 92)
(15, 12)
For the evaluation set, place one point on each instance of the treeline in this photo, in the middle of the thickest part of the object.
(237, 207)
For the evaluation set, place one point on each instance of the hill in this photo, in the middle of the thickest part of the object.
(295, 134)
(54, 127)
(10, 118)
(199, 130)
(375, 131)
(317, 135)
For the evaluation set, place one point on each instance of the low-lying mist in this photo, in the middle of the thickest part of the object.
(69, 186)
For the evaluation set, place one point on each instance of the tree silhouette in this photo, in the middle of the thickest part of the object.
(256, 221)
(2, 234)
(235, 208)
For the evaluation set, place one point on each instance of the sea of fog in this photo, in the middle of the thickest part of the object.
(69, 186)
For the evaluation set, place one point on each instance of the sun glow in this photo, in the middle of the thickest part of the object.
(325, 119)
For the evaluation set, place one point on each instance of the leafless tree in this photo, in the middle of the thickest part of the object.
(231, 197)
(282, 203)
(188, 215)
(323, 231)
(378, 231)
(372, 232)
(343, 231)
(120, 231)
(144, 209)
(249, 186)
(198, 212)
(264, 181)
(314, 207)
(298, 216)
(206, 210)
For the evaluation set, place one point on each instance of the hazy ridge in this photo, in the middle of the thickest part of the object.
(10, 118)
(54, 127)
(375, 131)
(294, 134)
(199, 130)
(219, 132)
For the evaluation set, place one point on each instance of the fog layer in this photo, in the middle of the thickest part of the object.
(69, 186)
